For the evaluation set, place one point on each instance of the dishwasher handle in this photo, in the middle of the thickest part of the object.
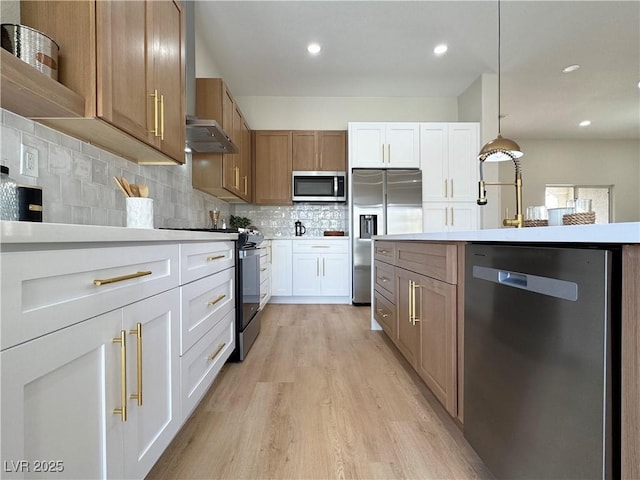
(552, 287)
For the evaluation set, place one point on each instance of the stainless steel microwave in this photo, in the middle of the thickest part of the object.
(319, 186)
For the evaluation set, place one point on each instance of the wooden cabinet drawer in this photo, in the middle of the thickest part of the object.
(320, 246)
(203, 304)
(384, 276)
(201, 364)
(385, 314)
(435, 260)
(198, 260)
(45, 290)
(385, 251)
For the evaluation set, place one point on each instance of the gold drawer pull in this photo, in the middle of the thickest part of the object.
(384, 252)
(122, 340)
(381, 312)
(262, 295)
(106, 281)
(161, 117)
(384, 279)
(263, 269)
(213, 302)
(212, 357)
(320, 246)
(138, 333)
(215, 257)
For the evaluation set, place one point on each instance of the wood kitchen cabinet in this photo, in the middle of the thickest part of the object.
(227, 176)
(273, 167)
(127, 60)
(320, 150)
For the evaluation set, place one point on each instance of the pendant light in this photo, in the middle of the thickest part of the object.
(499, 149)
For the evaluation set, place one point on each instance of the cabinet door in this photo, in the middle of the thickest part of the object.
(305, 152)
(463, 162)
(367, 145)
(463, 217)
(408, 334)
(166, 62)
(273, 167)
(334, 274)
(230, 181)
(58, 396)
(403, 145)
(433, 158)
(307, 274)
(436, 309)
(282, 271)
(246, 168)
(155, 418)
(124, 82)
(332, 151)
(435, 216)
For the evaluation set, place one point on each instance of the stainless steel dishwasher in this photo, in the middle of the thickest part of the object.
(541, 394)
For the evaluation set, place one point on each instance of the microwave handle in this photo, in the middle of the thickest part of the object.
(335, 186)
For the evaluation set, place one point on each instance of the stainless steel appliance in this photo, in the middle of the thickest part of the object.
(382, 202)
(319, 186)
(541, 394)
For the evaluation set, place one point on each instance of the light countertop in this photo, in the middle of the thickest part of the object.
(34, 232)
(304, 237)
(611, 233)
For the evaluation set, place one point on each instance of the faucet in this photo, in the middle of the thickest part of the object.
(517, 220)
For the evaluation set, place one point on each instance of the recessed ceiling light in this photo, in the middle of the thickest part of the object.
(314, 48)
(440, 49)
(570, 68)
(585, 123)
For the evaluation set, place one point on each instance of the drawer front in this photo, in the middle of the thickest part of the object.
(435, 260)
(204, 303)
(385, 275)
(385, 251)
(202, 363)
(385, 314)
(45, 290)
(321, 246)
(264, 292)
(198, 260)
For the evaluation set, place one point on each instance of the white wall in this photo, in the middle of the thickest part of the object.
(593, 162)
(333, 113)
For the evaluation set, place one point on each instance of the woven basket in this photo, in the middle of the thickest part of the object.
(536, 223)
(579, 218)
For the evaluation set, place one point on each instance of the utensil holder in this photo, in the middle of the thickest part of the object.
(139, 212)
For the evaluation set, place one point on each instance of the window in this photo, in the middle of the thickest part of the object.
(562, 195)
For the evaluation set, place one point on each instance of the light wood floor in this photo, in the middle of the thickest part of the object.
(319, 396)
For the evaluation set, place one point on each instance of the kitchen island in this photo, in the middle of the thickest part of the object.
(419, 302)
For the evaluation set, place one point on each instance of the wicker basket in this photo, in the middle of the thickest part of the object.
(579, 218)
(536, 223)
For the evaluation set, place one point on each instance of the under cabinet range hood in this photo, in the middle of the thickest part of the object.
(207, 136)
(202, 135)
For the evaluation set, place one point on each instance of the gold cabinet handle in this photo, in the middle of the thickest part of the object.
(323, 267)
(107, 281)
(161, 117)
(446, 216)
(452, 216)
(138, 333)
(317, 267)
(213, 302)
(383, 159)
(411, 302)
(320, 246)
(155, 112)
(446, 190)
(384, 252)
(451, 187)
(237, 182)
(263, 269)
(320, 159)
(122, 340)
(270, 253)
(383, 279)
(246, 189)
(415, 319)
(389, 152)
(382, 314)
(215, 257)
(213, 356)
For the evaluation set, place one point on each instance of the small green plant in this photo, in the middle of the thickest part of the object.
(239, 222)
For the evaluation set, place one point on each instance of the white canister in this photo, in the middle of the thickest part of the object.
(139, 212)
(555, 215)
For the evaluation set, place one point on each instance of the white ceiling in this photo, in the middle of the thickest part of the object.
(384, 49)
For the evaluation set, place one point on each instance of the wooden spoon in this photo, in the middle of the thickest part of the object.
(144, 190)
(134, 189)
(120, 186)
(126, 186)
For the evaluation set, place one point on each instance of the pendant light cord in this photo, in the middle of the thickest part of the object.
(499, 75)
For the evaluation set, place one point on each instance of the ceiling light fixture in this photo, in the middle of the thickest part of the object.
(501, 149)
(585, 123)
(314, 48)
(570, 68)
(440, 49)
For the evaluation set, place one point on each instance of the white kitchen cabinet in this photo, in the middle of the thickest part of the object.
(282, 268)
(321, 268)
(265, 272)
(448, 157)
(384, 145)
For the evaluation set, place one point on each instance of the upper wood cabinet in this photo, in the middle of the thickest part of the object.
(126, 59)
(273, 167)
(226, 176)
(321, 150)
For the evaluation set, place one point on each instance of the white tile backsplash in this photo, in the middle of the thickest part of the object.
(78, 186)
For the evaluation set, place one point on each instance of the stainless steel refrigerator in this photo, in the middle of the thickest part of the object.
(382, 202)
